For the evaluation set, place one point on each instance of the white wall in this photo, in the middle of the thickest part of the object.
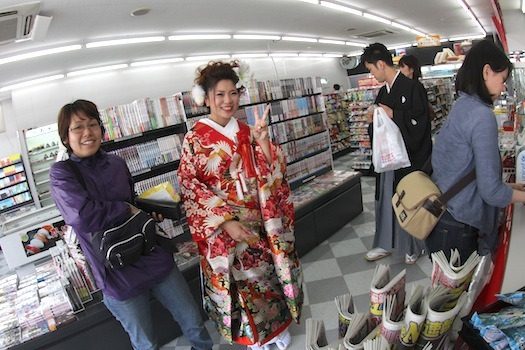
(39, 105)
(515, 27)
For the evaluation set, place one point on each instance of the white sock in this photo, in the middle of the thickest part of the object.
(283, 340)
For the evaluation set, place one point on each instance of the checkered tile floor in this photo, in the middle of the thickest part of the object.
(335, 267)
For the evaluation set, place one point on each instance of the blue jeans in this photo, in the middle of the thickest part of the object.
(449, 234)
(173, 293)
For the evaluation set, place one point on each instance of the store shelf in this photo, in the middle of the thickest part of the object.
(308, 156)
(154, 171)
(303, 137)
(295, 118)
(41, 171)
(43, 150)
(143, 137)
(42, 182)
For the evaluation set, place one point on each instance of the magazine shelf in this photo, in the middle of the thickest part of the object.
(14, 188)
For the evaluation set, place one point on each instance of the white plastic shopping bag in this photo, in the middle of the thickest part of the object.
(388, 148)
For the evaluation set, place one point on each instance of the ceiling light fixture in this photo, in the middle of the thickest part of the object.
(523, 6)
(39, 53)
(401, 26)
(352, 43)
(444, 40)
(376, 18)
(473, 17)
(341, 8)
(417, 32)
(310, 55)
(249, 55)
(104, 43)
(334, 55)
(296, 38)
(329, 41)
(256, 37)
(199, 37)
(206, 58)
(154, 62)
(466, 37)
(97, 70)
(284, 54)
(315, 2)
(31, 82)
(400, 46)
(356, 53)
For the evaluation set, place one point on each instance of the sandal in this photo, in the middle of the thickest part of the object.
(376, 254)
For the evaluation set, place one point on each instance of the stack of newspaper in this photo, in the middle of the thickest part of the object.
(345, 309)
(360, 330)
(316, 337)
(382, 286)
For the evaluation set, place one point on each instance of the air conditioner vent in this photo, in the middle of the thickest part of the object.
(16, 21)
(8, 13)
(376, 33)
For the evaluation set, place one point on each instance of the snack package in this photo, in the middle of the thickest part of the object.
(162, 192)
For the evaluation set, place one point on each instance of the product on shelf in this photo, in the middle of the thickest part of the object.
(14, 188)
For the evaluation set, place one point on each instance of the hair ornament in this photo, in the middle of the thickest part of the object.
(198, 93)
(242, 69)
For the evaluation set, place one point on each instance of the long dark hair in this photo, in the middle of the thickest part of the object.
(411, 61)
(470, 76)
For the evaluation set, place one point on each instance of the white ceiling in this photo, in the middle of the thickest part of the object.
(83, 21)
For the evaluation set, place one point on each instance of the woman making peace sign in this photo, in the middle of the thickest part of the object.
(240, 214)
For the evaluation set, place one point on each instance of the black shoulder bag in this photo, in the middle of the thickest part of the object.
(124, 244)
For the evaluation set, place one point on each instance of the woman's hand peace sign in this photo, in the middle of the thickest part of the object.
(260, 129)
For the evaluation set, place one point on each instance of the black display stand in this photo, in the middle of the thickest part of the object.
(96, 328)
(324, 215)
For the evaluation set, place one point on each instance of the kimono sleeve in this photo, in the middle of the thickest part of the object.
(205, 211)
(275, 181)
(414, 120)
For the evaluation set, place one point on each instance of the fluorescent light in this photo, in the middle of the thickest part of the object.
(401, 26)
(341, 8)
(400, 46)
(315, 2)
(376, 18)
(444, 40)
(310, 55)
(250, 55)
(334, 55)
(31, 82)
(442, 67)
(206, 58)
(523, 6)
(352, 43)
(467, 37)
(257, 37)
(39, 53)
(417, 32)
(283, 54)
(148, 39)
(97, 70)
(468, 10)
(153, 62)
(296, 38)
(355, 53)
(199, 37)
(335, 42)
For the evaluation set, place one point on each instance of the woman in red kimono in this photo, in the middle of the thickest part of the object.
(240, 214)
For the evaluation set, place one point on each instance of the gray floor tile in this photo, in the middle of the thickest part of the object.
(321, 270)
(343, 234)
(320, 252)
(354, 263)
(326, 290)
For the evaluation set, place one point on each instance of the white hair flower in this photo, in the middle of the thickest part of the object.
(198, 93)
(243, 72)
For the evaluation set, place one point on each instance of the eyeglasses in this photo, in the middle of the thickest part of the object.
(80, 128)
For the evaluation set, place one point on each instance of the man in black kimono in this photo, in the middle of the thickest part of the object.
(405, 101)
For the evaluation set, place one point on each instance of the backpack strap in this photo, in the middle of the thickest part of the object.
(74, 168)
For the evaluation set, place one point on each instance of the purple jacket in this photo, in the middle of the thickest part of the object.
(103, 205)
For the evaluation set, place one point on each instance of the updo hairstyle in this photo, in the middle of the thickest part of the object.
(208, 76)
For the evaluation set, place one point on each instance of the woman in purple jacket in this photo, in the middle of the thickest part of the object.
(105, 203)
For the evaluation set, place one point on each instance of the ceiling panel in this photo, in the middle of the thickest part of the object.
(82, 21)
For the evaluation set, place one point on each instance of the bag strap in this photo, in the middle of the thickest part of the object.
(77, 173)
(457, 187)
